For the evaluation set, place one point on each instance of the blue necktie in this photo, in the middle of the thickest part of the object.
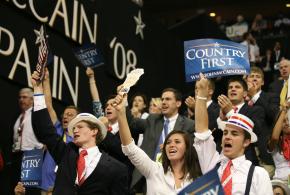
(162, 137)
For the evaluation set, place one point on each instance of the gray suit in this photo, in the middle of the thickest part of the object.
(152, 128)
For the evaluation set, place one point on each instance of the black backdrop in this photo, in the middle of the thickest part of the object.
(160, 53)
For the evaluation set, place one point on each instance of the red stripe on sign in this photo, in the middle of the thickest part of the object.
(243, 120)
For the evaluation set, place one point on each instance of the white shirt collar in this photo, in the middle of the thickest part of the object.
(256, 96)
(115, 128)
(236, 162)
(173, 118)
(239, 106)
(208, 103)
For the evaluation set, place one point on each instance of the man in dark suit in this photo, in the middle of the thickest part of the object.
(154, 127)
(276, 86)
(257, 97)
(82, 168)
(235, 103)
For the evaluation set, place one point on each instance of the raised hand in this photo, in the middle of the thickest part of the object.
(90, 72)
(36, 83)
(135, 112)
(190, 102)
(119, 103)
(202, 86)
(225, 104)
(252, 89)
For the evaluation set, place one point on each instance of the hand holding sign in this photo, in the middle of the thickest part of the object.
(131, 80)
(42, 51)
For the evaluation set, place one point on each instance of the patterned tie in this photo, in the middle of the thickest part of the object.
(227, 179)
(81, 164)
(162, 137)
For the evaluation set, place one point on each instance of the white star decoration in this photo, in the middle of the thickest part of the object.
(216, 44)
(39, 35)
(139, 25)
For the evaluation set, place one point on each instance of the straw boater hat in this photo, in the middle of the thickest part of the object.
(283, 185)
(87, 117)
(240, 120)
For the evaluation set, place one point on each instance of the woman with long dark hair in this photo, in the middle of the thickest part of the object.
(279, 145)
(180, 160)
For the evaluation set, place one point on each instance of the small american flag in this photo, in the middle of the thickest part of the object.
(43, 50)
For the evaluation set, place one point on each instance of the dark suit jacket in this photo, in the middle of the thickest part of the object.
(109, 177)
(271, 112)
(112, 145)
(274, 91)
(213, 113)
(152, 128)
(257, 115)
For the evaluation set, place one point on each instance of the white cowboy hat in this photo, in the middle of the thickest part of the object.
(87, 117)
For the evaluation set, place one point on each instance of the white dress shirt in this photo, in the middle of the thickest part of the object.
(261, 184)
(157, 182)
(94, 155)
(92, 160)
(27, 141)
(282, 166)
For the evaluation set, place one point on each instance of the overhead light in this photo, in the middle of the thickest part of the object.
(212, 14)
(288, 5)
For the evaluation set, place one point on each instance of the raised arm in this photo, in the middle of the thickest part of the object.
(203, 142)
(97, 105)
(277, 130)
(48, 97)
(201, 115)
(136, 155)
(42, 124)
(93, 87)
(125, 134)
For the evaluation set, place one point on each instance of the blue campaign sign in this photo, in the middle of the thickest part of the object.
(31, 168)
(214, 58)
(207, 184)
(89, 56)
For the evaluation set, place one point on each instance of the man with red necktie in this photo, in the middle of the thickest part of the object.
(238, 175)
(82, 168)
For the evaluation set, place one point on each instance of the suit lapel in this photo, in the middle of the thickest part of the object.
(179, 123)
(244, 109)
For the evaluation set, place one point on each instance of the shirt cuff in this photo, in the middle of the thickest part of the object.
(230, 113)
(203, 136)
(221, 124)
(39, 102)
(128, 149)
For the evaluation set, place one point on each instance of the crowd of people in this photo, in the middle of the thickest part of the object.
(135, 146)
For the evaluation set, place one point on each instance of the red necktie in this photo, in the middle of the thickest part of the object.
(81, 164)
(227, 179)
(235, 108)
(110, 128)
